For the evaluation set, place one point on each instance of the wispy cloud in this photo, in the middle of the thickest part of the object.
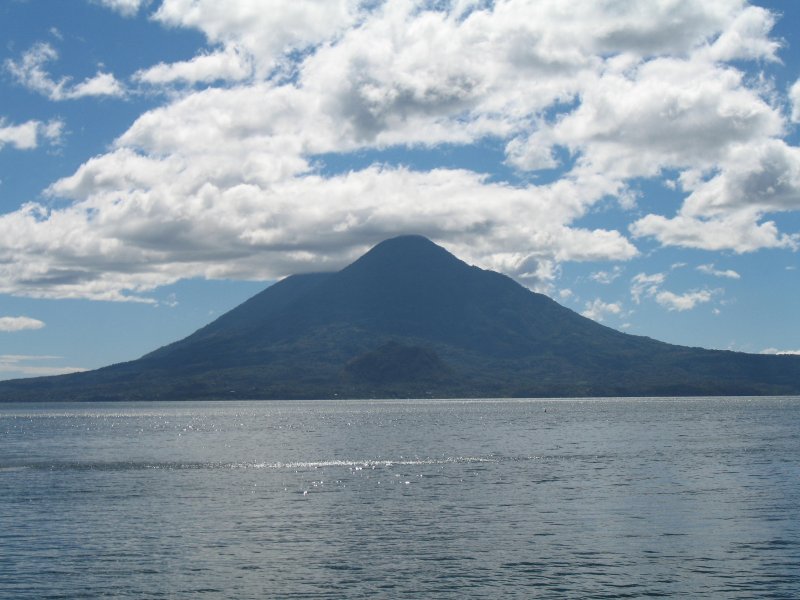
(646, 285)
(776, 351)
(710, 269)
(229, 64)
(650, 286)
(126, 8)
(19, 323)
(29, 71)
(606, 277)
(19, 364)
(794, 98)
(681, 302)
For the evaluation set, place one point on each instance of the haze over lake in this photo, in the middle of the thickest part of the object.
(434, 499)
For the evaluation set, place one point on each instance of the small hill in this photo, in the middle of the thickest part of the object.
(410, 319)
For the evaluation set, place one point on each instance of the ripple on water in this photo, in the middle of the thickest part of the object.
(601, 499)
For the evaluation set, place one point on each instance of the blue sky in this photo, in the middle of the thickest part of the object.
(161, 161)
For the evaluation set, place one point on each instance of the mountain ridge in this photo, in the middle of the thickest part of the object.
(410, 319)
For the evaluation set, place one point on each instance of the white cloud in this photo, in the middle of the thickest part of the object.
(19, 323)
(683, 302)
(597, 310)
(776, 351)
(666, 113)
(17, 364)
(794, 98)
(226, 181)
(747, 37)
(53, 131)
(171, 301)
(266, 29)
(102, 84)
(710, 269)
(738, 230)
(29, 71)
(112, 240)
(126, 8)
(646, 285)
(22, 137)
(606, 277)
(26, 135)
(725, 212)
(763, 177)
(229, 64)
(650, 286)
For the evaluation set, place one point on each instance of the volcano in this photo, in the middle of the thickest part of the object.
(409, 319)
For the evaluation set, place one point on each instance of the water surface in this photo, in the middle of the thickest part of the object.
(421, 499)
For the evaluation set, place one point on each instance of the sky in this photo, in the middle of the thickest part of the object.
(163, 160)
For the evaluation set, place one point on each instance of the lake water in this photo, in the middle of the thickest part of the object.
(608, 498)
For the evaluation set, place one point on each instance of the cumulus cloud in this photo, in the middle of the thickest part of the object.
(19, 323)
(726, 211)
(747, 37)
(29, 71)
(110, 240)
(22, 137)
(102, 84)
(27, 136)
(266, 29)
(230, 180)
(740, 231)
(763, 176)
(597, 310)
(665, 113)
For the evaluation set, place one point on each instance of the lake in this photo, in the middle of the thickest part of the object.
(600, 498)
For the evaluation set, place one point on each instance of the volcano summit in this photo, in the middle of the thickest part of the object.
(409, 319)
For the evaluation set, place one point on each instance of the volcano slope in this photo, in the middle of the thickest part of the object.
(409, 319)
